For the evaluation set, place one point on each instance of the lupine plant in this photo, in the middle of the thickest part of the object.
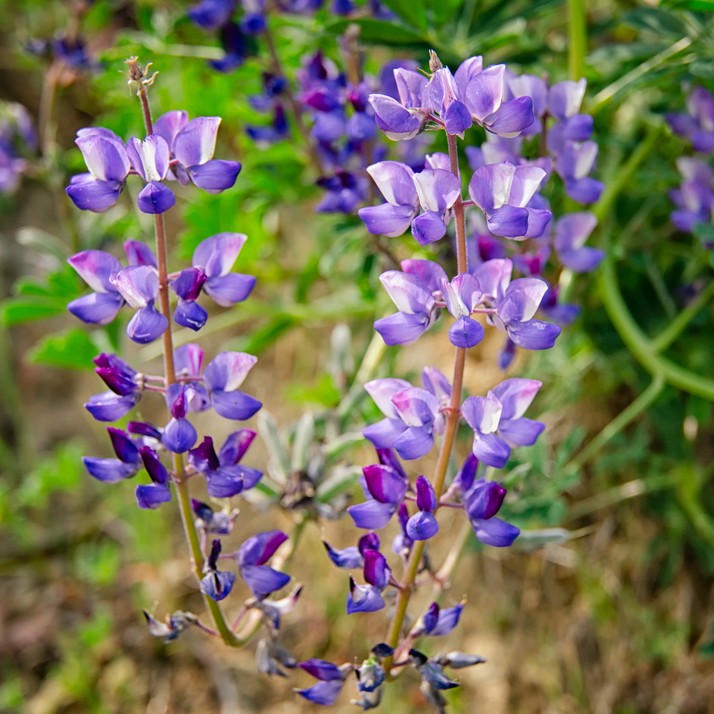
(472, 217)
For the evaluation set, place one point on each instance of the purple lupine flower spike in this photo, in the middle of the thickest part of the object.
(108, 163)
(150, 158)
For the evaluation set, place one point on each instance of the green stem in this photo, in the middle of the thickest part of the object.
(625, 417)
(453, 414)
(577, 39)
(184, 501)
(680, 322)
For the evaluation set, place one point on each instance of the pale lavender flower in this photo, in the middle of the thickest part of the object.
(571, 232)
(697, 124)
(139, 286)
(150, 158)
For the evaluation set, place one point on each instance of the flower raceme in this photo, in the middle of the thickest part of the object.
(178, 150)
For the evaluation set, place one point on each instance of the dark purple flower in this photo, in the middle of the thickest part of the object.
(332, 679)
(179, 435)
(124, 466)
(251, 559)
(363, 598)
(482, 502)
(436, 621)
(216, 584)
(158, 492)
(423, 525)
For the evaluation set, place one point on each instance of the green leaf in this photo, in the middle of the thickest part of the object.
(17, 311)
(73, 349)
(391, 34)
(657, 20)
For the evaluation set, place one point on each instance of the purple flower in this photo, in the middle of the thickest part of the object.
(225, 476)
(108, 163)
(210, 521)
(412, 418)
(436, 621)
(698, 124)
(150, 158)
(139, 286)
(251, 559)
(423, 525)
(332, 679)
(497, 419)
(482, 502)
(158, 492)
(192, 145)
(571, 232)
(694, 199)
(223, 375)
(96, 268)
(124, 466)
(179, 435)
(503, 192)
(216, 584)
(386, 487)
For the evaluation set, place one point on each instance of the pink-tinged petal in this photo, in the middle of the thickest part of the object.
(521, 432)
(508, 222)
(108, 406)
(482, 413)
(495, 532)
(431, 274)
(385, 484)
(437, 189)
(415, 406)
(407, 292)
(228, 370)
(137, 284)
(105, 156)
(179, 435)
(422, 526)
(188, 360)
(235, 405)
(466, 333)
(155, 198)
(494, 276)
(108, 470)
(149, 157)
(526, 181)
(484, 499)
(217, 254)
(96, 308)
(387, 220)
(484, 92)
(512, 118)
(90, 194)
(565, 98)
(534, 334)
(396, 183)
(491, 450)
(146, 325)
(382, 391)
(384, 433)
(410, 86)
(402, 328)
(216, 175)
(522, 299)
(516, 395)
(227, 290)
(371, 515)
(168, 125)
(96, 267)
(428, 228)
(195, 143)
(259, 548)
(414, 442)
(139, 253)
(394, 120)
(490, 186)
